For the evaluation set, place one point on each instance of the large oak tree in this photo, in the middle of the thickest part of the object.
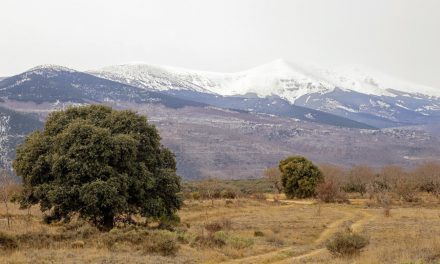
(98, 163)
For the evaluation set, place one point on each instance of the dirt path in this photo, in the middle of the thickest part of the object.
(283, 256)
(355, 226)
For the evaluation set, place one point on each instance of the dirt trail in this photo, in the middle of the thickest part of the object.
(283, 256)
(355, 226)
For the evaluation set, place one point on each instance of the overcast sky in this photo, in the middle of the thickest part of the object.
(398, 37)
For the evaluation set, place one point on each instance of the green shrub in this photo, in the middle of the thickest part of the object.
(221, 237)
(239, 242)
(346, 244)
(7, 242)
(299, 177)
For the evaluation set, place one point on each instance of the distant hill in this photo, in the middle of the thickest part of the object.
(49, 83)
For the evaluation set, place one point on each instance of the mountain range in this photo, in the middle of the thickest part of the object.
(339, 103)
(356, 93)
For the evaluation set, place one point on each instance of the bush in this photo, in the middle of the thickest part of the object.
(351, 187)
(346, 244)
(406, 190)
(358, 178)
(217, 239)
(7, 242)
(228, 194)
(240, 242)
(162, 242)
(259, 196)
(299, 177)
(275, 239)
(149, 241)
(77, 244)
(195, 195)
(329, 191)
(79, 230)
(224, 224)
(213, 227)
(169, 222)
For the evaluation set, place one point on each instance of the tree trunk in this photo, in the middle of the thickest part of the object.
(108, 222)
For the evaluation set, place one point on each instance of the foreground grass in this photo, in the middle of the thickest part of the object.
(236, 231)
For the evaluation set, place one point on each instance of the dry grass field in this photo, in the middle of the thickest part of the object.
(237, 231)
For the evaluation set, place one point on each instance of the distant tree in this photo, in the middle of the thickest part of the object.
(358, 179)
(273, 175)
(98, 163)
(8, 187)
(299, 177)
(428, 177)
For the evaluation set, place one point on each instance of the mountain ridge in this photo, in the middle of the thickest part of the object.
(374, 98)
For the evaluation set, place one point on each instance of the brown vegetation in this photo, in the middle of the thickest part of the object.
(397, 211)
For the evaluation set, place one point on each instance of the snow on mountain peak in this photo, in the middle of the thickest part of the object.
(366, 80)
(276, 78)
(51, 67)
(146, 76)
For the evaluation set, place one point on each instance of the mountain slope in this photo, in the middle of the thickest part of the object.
(13, 127)
(146, 76)
(272, 106)
(49, 83)
(356, 93)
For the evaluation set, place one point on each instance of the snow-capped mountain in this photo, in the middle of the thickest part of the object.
(353, 92)
(147, 76)
(52, 83)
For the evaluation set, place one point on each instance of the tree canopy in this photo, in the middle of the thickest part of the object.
(99, 163)
(299, 177)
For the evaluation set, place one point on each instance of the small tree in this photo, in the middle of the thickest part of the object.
(299, 177)
(358, 178)
(98, 163)
(8, 187)
(428, 177)
(273, 175)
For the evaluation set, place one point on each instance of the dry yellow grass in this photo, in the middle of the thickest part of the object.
(289, 232)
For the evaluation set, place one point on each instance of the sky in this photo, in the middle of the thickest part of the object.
(398, 37)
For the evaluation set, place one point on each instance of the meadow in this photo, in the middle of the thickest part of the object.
(263, 228)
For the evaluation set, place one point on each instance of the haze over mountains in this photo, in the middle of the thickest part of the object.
(236, 124)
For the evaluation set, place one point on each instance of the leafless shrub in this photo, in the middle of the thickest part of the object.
(8, 187)
(358, 178)
(406, 189)
(273, 175)
(329, 191)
